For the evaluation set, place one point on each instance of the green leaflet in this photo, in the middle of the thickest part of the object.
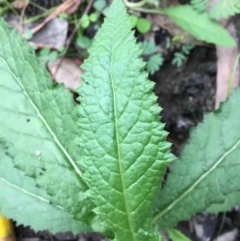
(199, 5)
(22, 201)
(208, 168)
(122, 142)
(39, 118)
(225, 9)
(200, 25)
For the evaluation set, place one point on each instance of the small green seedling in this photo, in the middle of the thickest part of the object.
(151, 55)
(141, 24)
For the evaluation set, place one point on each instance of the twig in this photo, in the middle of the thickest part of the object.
(60, 9)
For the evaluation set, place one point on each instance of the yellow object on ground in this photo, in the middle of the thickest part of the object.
(6, 227)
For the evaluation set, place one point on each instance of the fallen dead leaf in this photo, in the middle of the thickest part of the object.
(19, 4)
(53, 34)
(226, 58)
(69, 72)
(73, 8)
(66, 7)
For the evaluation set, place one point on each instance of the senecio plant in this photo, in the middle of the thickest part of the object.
(98, 165)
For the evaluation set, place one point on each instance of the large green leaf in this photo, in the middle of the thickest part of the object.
(38, 117)
(124, 152)
(200, 25)
(208, 169)
(21, 200)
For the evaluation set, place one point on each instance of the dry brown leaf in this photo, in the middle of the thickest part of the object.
(66, 7)
(73, 8)
(19, 4)
(226, 58)
(68, 73)
(53, 34)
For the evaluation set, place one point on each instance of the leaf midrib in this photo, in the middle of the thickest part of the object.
(192, 187)
(125, 201)
(27, 192)
(59, 144)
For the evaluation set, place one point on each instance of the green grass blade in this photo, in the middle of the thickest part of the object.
(124, 152)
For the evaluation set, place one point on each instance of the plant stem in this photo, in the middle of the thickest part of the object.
(135, 5)
(10, 7)
(221, 224)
